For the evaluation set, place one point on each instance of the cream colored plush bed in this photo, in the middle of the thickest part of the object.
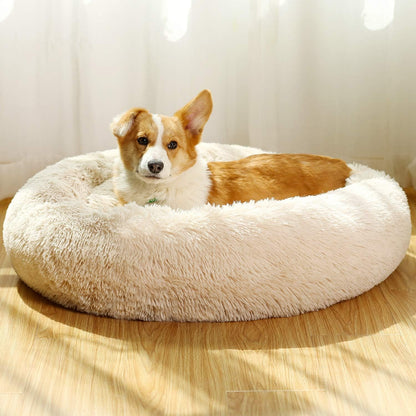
(69, 241)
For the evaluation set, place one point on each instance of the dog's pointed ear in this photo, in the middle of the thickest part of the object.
(122, 124)
(195, 114)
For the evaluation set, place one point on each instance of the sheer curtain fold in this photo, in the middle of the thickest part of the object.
(320, 76)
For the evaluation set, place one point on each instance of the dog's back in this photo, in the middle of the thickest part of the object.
(277, 176)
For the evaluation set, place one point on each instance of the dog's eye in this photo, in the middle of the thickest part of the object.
(143, 141)
(172, 145)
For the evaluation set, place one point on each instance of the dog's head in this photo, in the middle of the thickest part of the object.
(158, 147)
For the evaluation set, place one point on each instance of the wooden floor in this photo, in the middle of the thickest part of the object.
(355, 358)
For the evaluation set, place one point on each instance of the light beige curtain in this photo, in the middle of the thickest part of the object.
(313, 76)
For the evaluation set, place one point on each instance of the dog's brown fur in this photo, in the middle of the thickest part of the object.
(277, 176)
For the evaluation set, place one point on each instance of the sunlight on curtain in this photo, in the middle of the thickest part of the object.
(378, 14)
(265, 7)
(6, 7)
(175, 15)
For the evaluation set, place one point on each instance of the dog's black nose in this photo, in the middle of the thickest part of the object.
(155, 166)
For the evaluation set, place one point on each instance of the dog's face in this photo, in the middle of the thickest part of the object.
(157, 147)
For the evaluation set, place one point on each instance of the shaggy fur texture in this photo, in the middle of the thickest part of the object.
(70, 242)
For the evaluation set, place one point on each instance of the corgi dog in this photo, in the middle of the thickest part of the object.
(159, 163)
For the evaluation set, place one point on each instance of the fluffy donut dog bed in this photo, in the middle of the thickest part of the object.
(69, 241)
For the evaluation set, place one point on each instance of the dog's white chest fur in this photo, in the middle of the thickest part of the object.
(189, 189)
